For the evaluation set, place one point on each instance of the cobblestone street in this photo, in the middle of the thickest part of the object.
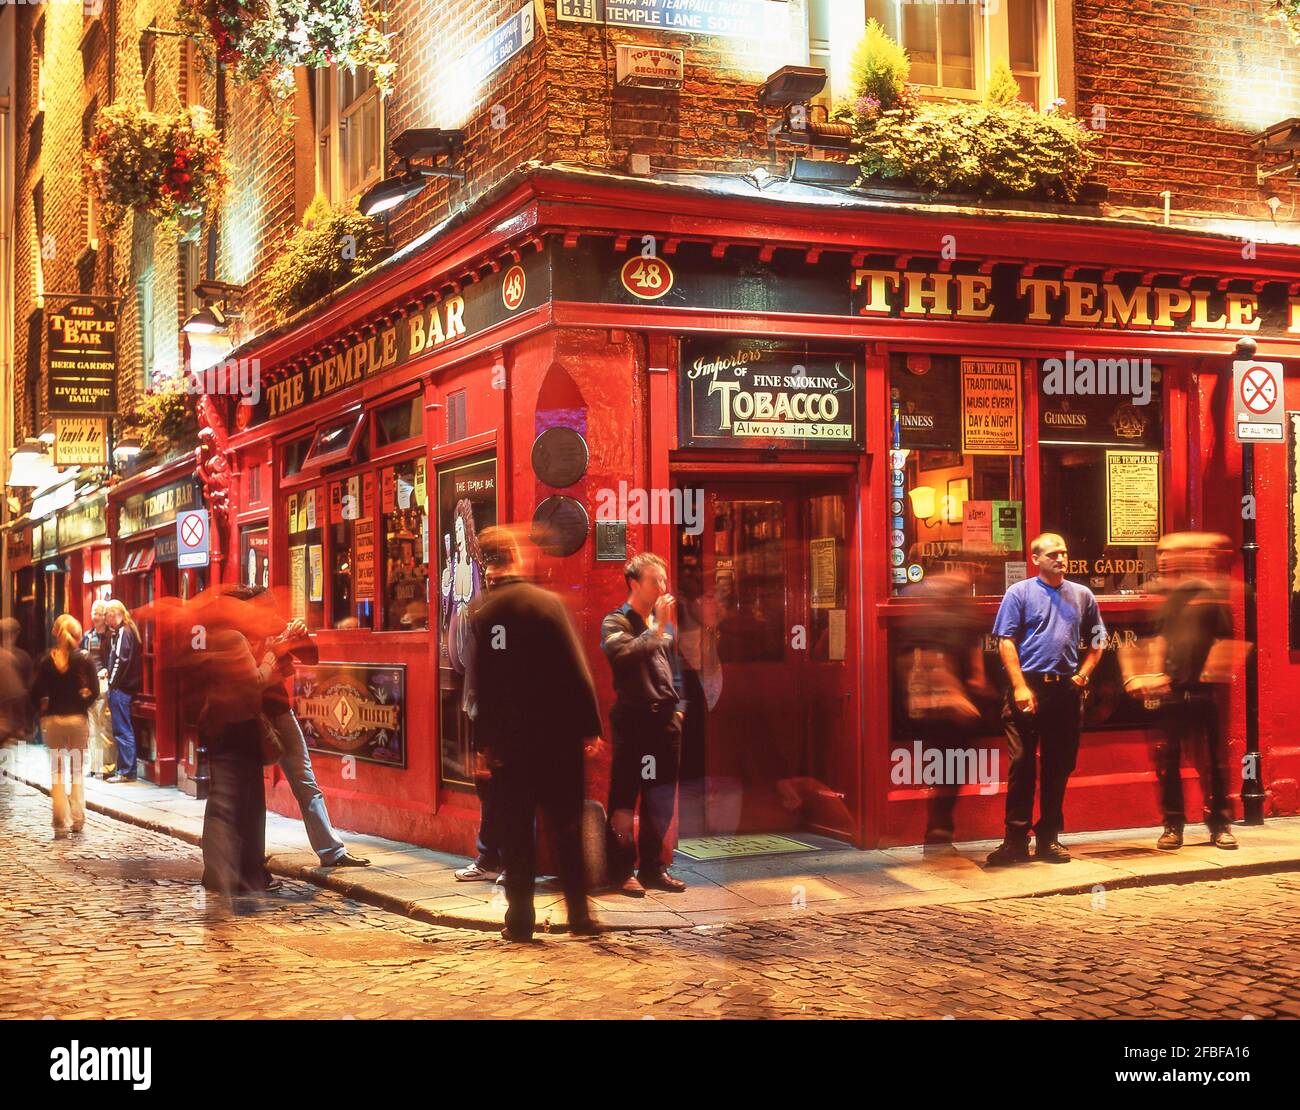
(113, 924)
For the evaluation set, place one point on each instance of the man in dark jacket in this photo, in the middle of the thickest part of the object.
(537, 713)
(640, 641)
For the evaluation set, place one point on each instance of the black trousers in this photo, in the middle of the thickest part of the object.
(647, 755)
(1050, 736)
(1191, 726)
(234, 820)
(557, 789)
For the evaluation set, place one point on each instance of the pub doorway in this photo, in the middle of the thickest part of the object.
(767, 636)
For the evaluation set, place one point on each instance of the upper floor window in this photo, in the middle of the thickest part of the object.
(38, 69)
(349, 132)
(191, 83)
(952, 45)
(148, 45)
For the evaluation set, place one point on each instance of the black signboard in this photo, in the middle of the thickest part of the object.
(82, 522)
(477, 307)
(925, 392)
(160, 506)
(81, 349)
(1110, 400)
(737, 392)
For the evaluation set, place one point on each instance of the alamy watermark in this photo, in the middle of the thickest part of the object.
(634, 505)
(1087, 377)
(924, 765)
(231, 377)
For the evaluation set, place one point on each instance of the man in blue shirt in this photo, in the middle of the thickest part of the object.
(1039, 626)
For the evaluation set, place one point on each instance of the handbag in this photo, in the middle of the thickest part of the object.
(272, 745)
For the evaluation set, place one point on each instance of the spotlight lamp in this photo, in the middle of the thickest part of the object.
(437, 151)
(1278, 148)
(219, 299)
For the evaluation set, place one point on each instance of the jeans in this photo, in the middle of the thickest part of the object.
(1191, 722)
(234, 819)
(489, 838)
(119, 705)
(647, 753)
(296, 765)
(66, 736)
(1051, 735)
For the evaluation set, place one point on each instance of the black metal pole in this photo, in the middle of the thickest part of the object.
(1252, 778)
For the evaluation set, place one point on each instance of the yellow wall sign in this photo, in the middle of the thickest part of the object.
(1132, 497)
(79, 441)
(990, 406)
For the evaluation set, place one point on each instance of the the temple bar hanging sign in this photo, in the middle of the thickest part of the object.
(81, 353)
(1009, 296)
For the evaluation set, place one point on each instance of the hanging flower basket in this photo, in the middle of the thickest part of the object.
(165, 166)
(265, 40)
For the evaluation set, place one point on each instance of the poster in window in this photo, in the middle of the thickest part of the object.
(316, 568)
(336, 503)
(389, 491)
(298, 582)
(363, 534)
(990, 406)
(293, 513)
(467, 503)
(351, 508)
(309, 499)
(822, 566)
(1132, 497)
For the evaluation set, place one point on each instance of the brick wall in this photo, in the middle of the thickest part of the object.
(1184, 86)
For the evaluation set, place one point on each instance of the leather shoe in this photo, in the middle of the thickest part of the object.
(120, 778)
(1051, 852)
(347, 859)
(1009, 852)
(663, 881)
(1171, 839)
(629, 888)
(1224, 839)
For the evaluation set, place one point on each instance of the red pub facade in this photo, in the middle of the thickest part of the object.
(608, 358)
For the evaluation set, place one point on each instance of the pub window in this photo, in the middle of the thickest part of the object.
(956, 489)
(399, 421)
(340, 441)
(352, 554)
(255, 555)
(294, 455)
(1101, 461)
(406, 546)
(349, 132)
(306, 512)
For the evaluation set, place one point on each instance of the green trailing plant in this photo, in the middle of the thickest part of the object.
(1001, 147)
(166, 166)
(163, 418)
(263, 41)
(1288, 12)
(332, 246)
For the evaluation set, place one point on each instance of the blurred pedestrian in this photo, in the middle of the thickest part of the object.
(941, 661)
(1039, 626)
(15, 684)
(234, 819)
(537, 714)
(64, 686)
(639, 639)
(1193, 618)
(277, 655)
(125, 669)
(97, 643)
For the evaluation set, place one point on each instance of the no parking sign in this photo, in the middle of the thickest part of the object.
(192, 540)
(1257, 401)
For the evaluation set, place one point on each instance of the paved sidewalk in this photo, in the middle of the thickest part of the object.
(418, 883)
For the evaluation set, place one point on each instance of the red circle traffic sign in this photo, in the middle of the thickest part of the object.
(1258, 390)
(192, 531)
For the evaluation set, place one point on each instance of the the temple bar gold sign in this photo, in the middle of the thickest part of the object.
(1007, 295)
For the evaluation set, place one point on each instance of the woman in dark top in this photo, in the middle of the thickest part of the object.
(64, 686)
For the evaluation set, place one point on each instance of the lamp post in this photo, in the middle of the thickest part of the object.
(1252, 785)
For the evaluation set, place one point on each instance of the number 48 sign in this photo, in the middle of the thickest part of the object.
(1257, 401)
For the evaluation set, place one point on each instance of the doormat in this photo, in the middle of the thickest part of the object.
(731, 847)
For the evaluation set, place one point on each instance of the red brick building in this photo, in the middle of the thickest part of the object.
(538, 344)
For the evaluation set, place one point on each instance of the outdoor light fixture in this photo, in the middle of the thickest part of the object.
(432, 143)
(126, 450)
(1279, 148)
(47, 438)
(792, 85)
(217, 311)
(30, 465)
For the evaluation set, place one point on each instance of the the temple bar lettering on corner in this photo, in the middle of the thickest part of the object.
(1041, 300)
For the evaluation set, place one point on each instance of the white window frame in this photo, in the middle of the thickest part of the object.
(330, 126)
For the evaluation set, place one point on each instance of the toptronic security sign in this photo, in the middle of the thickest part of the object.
(81, 353)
